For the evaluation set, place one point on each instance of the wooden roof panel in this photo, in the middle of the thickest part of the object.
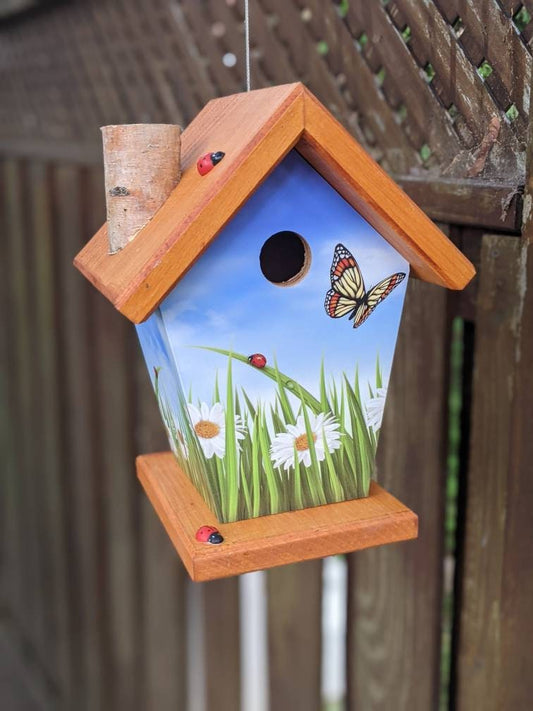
(266, 122)
(256, 130)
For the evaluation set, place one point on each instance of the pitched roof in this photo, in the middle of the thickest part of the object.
(256, 130)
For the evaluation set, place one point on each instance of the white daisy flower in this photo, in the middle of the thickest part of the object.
(325, 433)
(209, 425)
(374, 409)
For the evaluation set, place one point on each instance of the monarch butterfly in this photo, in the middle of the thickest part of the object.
(348, 293)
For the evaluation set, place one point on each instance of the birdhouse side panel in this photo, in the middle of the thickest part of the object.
(170, 396)
(283, 336)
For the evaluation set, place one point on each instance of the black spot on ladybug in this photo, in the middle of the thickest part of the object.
(209, 534)
(258, 360)
(217, 157)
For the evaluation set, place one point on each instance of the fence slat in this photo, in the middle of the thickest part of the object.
(28, 611)
(114, 347)
(494, 616)
(222, 644)
(48, 428)
(85, 534)
(11, 556)
(294, 636)
(165, 662)
(517, 588)
(394, 595)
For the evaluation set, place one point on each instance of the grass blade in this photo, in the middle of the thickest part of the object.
(270, 475)
(323, 394)
(249, 404)
(298, 496)
(273, 373)
(231, 456)
(314, 474)
(379, 376)
(256, 464)
(335, 485)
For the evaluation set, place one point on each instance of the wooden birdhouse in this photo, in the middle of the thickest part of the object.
(267, 293)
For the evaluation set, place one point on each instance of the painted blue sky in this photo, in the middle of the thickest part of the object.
(225, 301)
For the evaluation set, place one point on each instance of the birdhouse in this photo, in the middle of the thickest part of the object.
(267, 293)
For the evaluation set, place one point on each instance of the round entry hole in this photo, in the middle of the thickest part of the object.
(285, 258)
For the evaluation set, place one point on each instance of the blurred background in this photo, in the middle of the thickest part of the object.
(96, 611)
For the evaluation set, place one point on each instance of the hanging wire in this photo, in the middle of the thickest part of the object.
(247, 43)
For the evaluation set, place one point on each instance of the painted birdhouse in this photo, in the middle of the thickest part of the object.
(267, 293)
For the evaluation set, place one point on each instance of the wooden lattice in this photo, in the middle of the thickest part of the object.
(434, 89)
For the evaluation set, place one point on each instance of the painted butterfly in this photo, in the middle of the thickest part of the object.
(348, 294)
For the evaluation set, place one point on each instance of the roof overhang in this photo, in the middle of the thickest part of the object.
(256, 130)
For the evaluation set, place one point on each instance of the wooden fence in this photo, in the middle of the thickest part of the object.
(96, 611)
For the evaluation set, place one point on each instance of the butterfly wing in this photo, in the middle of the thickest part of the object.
(361, 315)
(337, 305)
(375, 296)
(346, 277)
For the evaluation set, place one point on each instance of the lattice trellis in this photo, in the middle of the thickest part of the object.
(431, 88)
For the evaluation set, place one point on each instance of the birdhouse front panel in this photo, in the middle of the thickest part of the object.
(270, 358)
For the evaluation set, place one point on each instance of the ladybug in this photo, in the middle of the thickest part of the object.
(208, 162)
(258, 360)
(208, 534)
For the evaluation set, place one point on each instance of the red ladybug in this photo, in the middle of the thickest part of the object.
(208, 534)
(258, 360)
(208, 162)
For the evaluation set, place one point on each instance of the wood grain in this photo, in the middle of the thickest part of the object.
(353, 173)
(158, 62)
(494, 583)
(28, 608)
(13, 521)
(516, 687)
(511, 67)
(139, 277)
(48, 429)
(387, 51)
(295, 625)
(499, 205)
(394, 592)
(472, 100)
(79, 446)
(119, 507)
(267, 541)
(222, 644)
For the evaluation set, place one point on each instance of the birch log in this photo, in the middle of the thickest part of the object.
(142, 167)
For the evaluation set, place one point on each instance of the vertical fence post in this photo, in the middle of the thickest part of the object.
(493, 666)
(294, 636)
(394, 595)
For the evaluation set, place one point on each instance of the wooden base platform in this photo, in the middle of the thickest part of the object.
(267, 541)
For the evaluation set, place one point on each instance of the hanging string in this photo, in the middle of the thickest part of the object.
(247, 43)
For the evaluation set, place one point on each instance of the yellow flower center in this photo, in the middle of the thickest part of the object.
(206, 429)
(302, 443)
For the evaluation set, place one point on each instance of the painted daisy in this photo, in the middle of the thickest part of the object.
(210, 427)
(325, 433)
(374, 409)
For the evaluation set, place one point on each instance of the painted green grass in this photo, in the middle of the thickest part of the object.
(245, 483)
